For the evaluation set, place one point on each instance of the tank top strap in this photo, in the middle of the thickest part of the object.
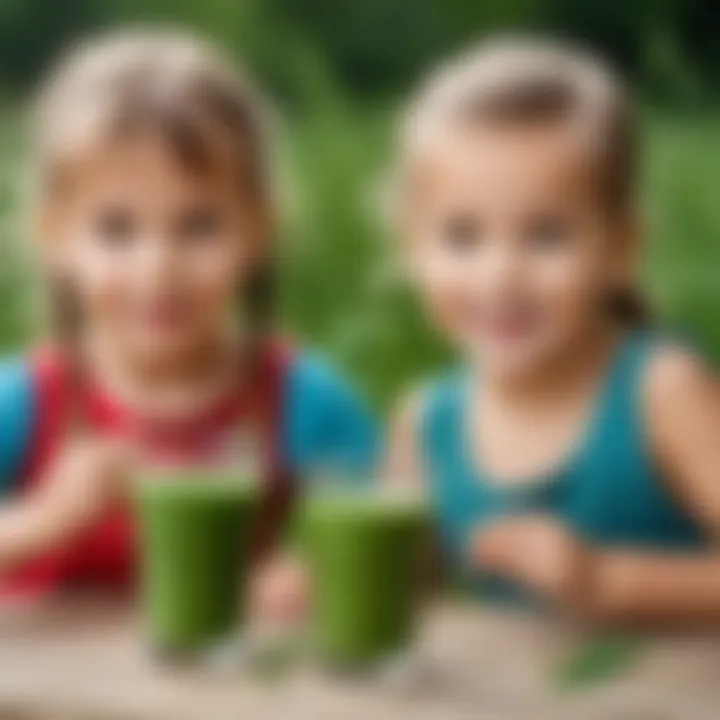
(617, 434)
(630, 362)
(457, 498)
(442, 427)
(620, 412)
(52, 397)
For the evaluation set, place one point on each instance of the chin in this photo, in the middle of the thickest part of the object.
(159, 351)
(510, 359)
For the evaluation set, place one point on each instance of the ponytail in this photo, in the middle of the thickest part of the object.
(629, 308)
(256, 300)
(66, 326)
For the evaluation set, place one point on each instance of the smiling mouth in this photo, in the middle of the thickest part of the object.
(507, 325)
(162, 315)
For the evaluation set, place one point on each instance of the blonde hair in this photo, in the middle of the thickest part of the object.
(515, 81)
(530, 82)
(167, 82)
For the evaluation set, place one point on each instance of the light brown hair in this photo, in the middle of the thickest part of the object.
(170, 83)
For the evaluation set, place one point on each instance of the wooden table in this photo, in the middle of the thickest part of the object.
(84, 661)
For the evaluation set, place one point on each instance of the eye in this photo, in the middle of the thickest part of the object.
(462, 232)
(116, 225)
(548, 232)
(198, 223)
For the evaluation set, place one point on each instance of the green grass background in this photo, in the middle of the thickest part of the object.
(340, 285)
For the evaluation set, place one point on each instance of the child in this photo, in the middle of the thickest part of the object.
(575, 456)
(156, 213)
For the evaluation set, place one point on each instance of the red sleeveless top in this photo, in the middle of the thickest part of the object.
(104, 554)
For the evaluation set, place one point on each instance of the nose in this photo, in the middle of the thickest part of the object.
(156, 259)
(501, 268)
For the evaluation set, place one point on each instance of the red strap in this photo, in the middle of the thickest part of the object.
(105, 553)
(50, 383)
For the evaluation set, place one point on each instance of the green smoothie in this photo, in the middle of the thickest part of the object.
(194, 545)
(363, 553)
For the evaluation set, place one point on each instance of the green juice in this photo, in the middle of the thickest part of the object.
(363, 553)
(195, 536)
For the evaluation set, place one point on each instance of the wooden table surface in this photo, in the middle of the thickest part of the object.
(84, 661)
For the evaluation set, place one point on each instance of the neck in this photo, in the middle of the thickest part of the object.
(165, 387)
(576, 364)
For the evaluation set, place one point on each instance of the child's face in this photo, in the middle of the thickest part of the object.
(156, 252)
(510, 243)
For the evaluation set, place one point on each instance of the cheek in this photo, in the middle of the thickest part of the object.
(212, 276)
(571, 283)
(103, 280)
(447, 281)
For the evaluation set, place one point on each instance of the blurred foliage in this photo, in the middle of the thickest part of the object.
(377, 46)
(337, 68)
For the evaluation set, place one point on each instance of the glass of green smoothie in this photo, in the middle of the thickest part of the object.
(194, 529)
(364, 549)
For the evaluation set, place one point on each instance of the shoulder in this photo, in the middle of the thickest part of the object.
(325, 417)
(677, 381)
(18, 391)
(675, 374)
(439, 400)
(311, 376)
(680, 398)
(431, 409)
(424, 399)
(407, 417)
(16, 379)
(410, 409)
(424, 427)
(17, 412)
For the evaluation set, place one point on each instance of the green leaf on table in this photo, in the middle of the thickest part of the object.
(599, 660)
(276, 659)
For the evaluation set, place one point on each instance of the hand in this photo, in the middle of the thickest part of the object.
(89, 477)
(280, 591)
(540, 552)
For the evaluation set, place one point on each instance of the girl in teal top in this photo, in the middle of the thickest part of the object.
(574, 459)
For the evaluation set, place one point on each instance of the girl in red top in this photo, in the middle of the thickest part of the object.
(154, 208)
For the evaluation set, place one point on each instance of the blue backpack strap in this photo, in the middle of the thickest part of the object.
(17, 414)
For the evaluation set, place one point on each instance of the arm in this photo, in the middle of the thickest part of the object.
(88, 478)
(680, 399)
(403, 461)
(682, 405)
(76, 489)
(26, 530)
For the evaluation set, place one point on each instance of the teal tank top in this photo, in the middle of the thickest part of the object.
(609, 490)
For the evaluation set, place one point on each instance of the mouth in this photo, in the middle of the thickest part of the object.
(507, 325)
(162, 316)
